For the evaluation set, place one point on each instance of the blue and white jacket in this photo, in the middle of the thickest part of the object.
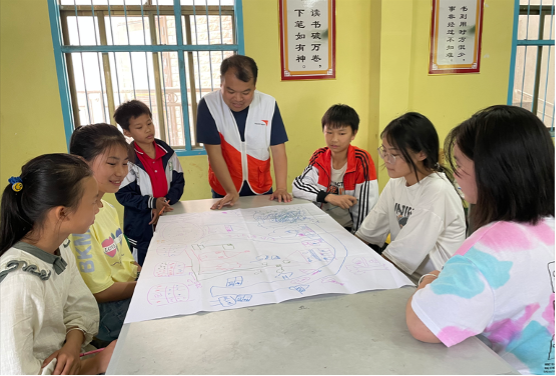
(136, 195)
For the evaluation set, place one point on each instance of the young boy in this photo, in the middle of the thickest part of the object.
(340, 178)
(154, 182)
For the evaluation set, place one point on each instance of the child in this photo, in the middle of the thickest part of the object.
(155, 179)
(500, 283)
(47, 313)
(341, 178)
(103, 256)
(419, 207)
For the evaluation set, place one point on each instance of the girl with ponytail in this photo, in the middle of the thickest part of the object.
(47, 313)
(419, 207)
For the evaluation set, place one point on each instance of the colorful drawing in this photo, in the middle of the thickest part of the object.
(169, 269)
(168, 293)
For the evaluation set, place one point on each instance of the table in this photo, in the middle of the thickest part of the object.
(362, 333)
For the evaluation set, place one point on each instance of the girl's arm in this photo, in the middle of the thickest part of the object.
(415, 240)
(416, 327)
(21, 311)
(118, 291)
(375, 227)
(80, 310)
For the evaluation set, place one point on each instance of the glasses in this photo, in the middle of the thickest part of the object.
(387, 157)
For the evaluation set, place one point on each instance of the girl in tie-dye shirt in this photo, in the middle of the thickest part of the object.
(500, 283)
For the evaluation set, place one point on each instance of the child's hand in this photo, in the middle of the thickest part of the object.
(68, 363)
(162, 203)
(343, 201)
(99, 363)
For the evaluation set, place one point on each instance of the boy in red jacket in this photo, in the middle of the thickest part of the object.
(340, 178)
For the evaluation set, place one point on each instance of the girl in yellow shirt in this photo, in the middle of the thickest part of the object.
(102, 254)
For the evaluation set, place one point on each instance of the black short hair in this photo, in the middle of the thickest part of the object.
(244, 67)
(340, 115)
(128, 110)
(513, 155)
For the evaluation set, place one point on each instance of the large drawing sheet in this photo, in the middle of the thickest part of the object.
(227, 259)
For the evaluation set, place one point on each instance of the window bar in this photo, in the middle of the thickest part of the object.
(158, 23)
(525, 54)
(115, 61)
(546, 82)
(181, 73)
(160, 100)
(548, 63)
(198, 60)
(208, 39)
(82, 66)
(538, 68)
(107, 70)
(103, 103)
(146, 57)
(191, 67)
(130, 58)
(221, 32)
(71, 73)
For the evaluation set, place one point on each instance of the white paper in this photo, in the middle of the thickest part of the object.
(218, 260)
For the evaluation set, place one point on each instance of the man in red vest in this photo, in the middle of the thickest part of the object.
(240, 127)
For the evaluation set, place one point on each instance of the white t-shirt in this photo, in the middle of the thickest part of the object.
(426, 222)
(342, 216)
(499, 284)
(36, 313)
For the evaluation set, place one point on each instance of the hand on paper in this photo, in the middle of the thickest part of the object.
(343, 201)
(281, 195)
(228, 200)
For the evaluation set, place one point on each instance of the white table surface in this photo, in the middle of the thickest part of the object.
(362, 333)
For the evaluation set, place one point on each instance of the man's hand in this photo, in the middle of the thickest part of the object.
(281, 195)
(343, 201)
(228, 200)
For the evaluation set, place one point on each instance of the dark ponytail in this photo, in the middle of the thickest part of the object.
(49, 181)
(90, 141)
(415, 132)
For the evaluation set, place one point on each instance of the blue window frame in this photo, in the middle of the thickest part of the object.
(531, 83)
(166, 53)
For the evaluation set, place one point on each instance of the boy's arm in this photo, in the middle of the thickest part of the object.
(118, 291)
(305, 186)
(130, 195)
(280, 161)
(176, 186)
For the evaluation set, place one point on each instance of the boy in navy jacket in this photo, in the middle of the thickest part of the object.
(154, 181)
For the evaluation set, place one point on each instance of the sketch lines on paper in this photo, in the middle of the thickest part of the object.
(230, 258)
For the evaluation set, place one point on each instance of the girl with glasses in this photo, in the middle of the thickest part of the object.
(419, 207)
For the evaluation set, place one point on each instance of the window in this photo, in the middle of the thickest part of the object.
(532, 70)
(165, 53)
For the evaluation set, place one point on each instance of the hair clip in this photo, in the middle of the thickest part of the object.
(16, 182)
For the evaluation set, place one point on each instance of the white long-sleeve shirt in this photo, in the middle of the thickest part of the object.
(35, 313)
(426, 222)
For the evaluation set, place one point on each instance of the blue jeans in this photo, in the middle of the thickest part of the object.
(112, 316)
